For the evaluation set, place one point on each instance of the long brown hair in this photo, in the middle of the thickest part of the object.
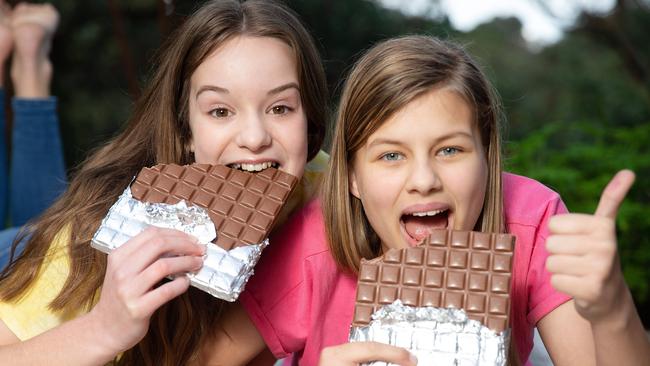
(389, 76)
(158, 132)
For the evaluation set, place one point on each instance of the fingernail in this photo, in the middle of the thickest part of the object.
(413, 359)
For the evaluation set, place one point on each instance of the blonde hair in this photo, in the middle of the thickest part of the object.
(158, 132)
(385, 79)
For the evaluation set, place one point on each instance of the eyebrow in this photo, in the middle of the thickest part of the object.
(273, 91)
(213, 88)
(284, 87)
(389, 141)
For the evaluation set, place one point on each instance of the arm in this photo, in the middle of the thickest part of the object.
(120, 319)
(567, 336)
(77, 342)
(584, 264)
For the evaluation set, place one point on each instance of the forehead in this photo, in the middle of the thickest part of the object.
(247, 58)
(432, 113)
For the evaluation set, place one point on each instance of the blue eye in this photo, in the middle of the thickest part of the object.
(392, 156)
(448, 151)
(220, 112)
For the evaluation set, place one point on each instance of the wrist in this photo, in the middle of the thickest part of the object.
(619, 317)
(102, 344)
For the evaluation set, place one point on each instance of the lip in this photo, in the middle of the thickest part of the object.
(423, 207)
(254, 161)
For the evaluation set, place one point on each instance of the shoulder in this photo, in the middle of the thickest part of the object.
(304, 232)
(527, 201)
(297, 256)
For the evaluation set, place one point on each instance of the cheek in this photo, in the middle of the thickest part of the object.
(377, 198)
(295, 135)
(474, 196)
(293, 138)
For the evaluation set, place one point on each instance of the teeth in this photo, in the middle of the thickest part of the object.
(428, 213)
(254, 167)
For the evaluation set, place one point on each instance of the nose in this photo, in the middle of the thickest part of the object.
(423, 178)
(253, 134)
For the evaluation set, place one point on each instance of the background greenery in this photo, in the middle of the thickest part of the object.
(577, 110)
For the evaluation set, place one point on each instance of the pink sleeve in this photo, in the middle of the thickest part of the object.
(543, 298)
(277, 297)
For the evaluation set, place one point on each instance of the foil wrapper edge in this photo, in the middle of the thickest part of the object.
(436, 336)
(224, 273)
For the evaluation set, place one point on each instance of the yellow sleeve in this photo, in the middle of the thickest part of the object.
(306, 188)
(29, 316)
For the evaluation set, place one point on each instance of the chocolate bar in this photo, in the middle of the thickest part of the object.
(242, 205)
(458, 269)
(446, 300)
(229, 211)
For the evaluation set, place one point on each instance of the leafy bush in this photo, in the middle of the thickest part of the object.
(577, 160)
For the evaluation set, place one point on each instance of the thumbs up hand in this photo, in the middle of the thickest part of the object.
(583, 260)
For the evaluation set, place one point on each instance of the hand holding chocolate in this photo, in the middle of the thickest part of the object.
(446, 300)
(229, 210)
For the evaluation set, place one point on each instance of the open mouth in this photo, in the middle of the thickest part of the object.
(418, 225)
(254, 167)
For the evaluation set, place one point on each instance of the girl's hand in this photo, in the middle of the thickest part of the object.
(582, 253)
(130, 293)
(352, 354)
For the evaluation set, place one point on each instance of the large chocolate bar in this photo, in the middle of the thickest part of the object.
(242, 205)
(458, 269)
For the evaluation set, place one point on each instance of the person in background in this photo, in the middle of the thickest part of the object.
(32, 173)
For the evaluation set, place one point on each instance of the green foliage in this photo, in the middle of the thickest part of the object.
(578, 159)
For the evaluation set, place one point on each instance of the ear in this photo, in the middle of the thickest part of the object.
(352, 182)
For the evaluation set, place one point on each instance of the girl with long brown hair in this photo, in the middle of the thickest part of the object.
(239, 83)
(416, 147)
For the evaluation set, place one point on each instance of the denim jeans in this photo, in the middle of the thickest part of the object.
(35, 177)
(7, 237)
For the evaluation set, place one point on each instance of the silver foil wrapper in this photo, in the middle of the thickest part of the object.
(224, 273)
(436, 336)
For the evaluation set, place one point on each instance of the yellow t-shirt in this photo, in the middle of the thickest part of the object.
(30, 315)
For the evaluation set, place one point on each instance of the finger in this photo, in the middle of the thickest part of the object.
(567, 244)
(133, 245)
(150, 245)
(580, 288)
(567, 265)
(154, 299)
(362, 352)
(568, 284)
(614, 193)
(165, 267)
(577, 223)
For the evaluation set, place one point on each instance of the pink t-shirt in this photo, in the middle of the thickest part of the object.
(300, 302)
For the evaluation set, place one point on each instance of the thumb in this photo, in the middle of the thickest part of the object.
(614, 194)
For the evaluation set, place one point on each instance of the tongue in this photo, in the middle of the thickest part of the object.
(419, 227)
